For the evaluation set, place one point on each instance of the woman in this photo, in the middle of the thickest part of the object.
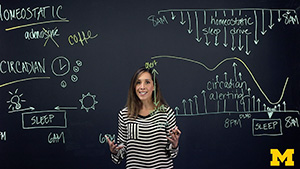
(147, 132)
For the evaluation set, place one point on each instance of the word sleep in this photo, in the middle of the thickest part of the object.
(233, 31)
(266, 125)
(30, 13)
(22, 67)
(42, 120)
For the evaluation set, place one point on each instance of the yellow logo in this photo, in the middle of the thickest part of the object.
(288, 155)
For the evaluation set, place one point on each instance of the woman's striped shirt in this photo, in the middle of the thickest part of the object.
(144, 140)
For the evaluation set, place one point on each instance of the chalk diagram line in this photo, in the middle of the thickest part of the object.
(224, 60)
(22, 80)
(242, 25)
(33, 24)
(225, 9)
(237, 112)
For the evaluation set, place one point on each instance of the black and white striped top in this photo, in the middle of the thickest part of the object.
(144, 138)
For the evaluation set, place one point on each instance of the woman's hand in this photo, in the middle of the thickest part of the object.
(114, 148)
(174, 139)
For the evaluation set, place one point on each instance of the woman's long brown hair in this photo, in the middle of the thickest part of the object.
(134, 104)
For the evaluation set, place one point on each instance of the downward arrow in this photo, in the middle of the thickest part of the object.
(182, 21)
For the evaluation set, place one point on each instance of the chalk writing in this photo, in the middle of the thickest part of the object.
(225, 25)
(103, 140)
(34, 34)
(56, 138)
(229, 123)
(289, 18)
(19, 14)
(231, 21)
(291, 122)
(30, 13)
(22, 67)
(37, 13)
(81, 37)
(157, 20)
(231, 94)
(41, 34)
(245, 116)
(44, 119)
(150, 65)
(2, 135)
(266, 127)
(237, 77)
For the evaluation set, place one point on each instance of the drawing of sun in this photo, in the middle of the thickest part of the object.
(88, 101)
(15, 101)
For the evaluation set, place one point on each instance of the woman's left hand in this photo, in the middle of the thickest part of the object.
(174, 137)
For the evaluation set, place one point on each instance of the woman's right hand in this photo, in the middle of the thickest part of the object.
(114, 148)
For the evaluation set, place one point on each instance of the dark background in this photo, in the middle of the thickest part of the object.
(126, 41)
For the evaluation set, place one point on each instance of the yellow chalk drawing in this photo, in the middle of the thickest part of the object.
(33, 24)
(48, 38)
(22, 80)
(227, 59)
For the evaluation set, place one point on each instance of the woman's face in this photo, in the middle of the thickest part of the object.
(144, 87)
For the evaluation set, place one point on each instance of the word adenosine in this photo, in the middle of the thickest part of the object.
(41, 34)
(30, 13)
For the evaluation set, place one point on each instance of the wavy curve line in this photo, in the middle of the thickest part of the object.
(22, 80)
(227, 59)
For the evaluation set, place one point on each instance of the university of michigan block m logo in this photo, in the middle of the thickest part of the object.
(288, 155)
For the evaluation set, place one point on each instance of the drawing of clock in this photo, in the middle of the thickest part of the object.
(60, 66)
